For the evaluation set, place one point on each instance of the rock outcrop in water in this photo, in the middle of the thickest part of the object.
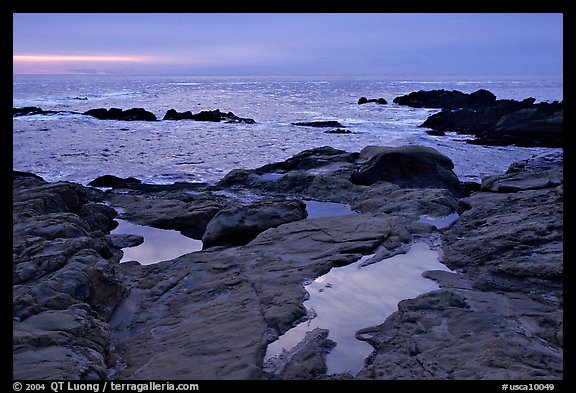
(133, 114)
(325, 123)
(364, 100)
(493, 122)
(78, 313)
(214, 116)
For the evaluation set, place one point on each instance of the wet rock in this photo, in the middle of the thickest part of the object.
(240, 225)
(364, 100)
(307, 360)
(133, 114)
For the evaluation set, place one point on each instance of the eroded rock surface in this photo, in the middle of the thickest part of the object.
(501, 315)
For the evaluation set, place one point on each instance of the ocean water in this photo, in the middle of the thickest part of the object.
(80, 148)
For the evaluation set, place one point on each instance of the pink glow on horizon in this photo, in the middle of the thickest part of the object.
(69, 64)
(78, 58)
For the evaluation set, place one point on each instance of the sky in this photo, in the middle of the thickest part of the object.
(288, 43)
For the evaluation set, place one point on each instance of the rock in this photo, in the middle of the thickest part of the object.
(525, 180)
(214, 116)
(237, 226)
(169, 209)
(114, 181)
(119, 114)
(407, 166)
(307, 360)
(539, 162)
(446, 99)
(19, 174)
(239, 297)
(364, 100)
(452, 334)
(493, 122)
(322, 157)
(326, 123)
(435, 133)
(34, 110)
(541, 125)
(338, 131)
(65, 286)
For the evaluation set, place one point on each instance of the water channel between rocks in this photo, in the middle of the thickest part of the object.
(159, 244)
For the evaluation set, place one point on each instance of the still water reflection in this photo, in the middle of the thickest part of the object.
(159, 244)
(350, 298)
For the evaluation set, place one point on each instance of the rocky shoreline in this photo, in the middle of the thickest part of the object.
(80, 314)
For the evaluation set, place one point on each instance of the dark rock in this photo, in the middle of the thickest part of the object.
(435, 133)
(16, 174)
(114, 181)
(214, 116)
(541, 162)
(407, 166)
(237, 226)
(542, 125)
(33, 110)
(462, 120)
(493, 122)
(132, 114)
(338, 131)
(327, 123)
(307, 360)
(446, 99)
(364, 100)
(65, 286)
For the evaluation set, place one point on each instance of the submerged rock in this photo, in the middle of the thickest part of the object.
(326, 123)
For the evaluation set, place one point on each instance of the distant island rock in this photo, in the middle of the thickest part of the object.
(215, 116)
(364, 100)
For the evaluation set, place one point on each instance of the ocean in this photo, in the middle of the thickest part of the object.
(78, 148)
